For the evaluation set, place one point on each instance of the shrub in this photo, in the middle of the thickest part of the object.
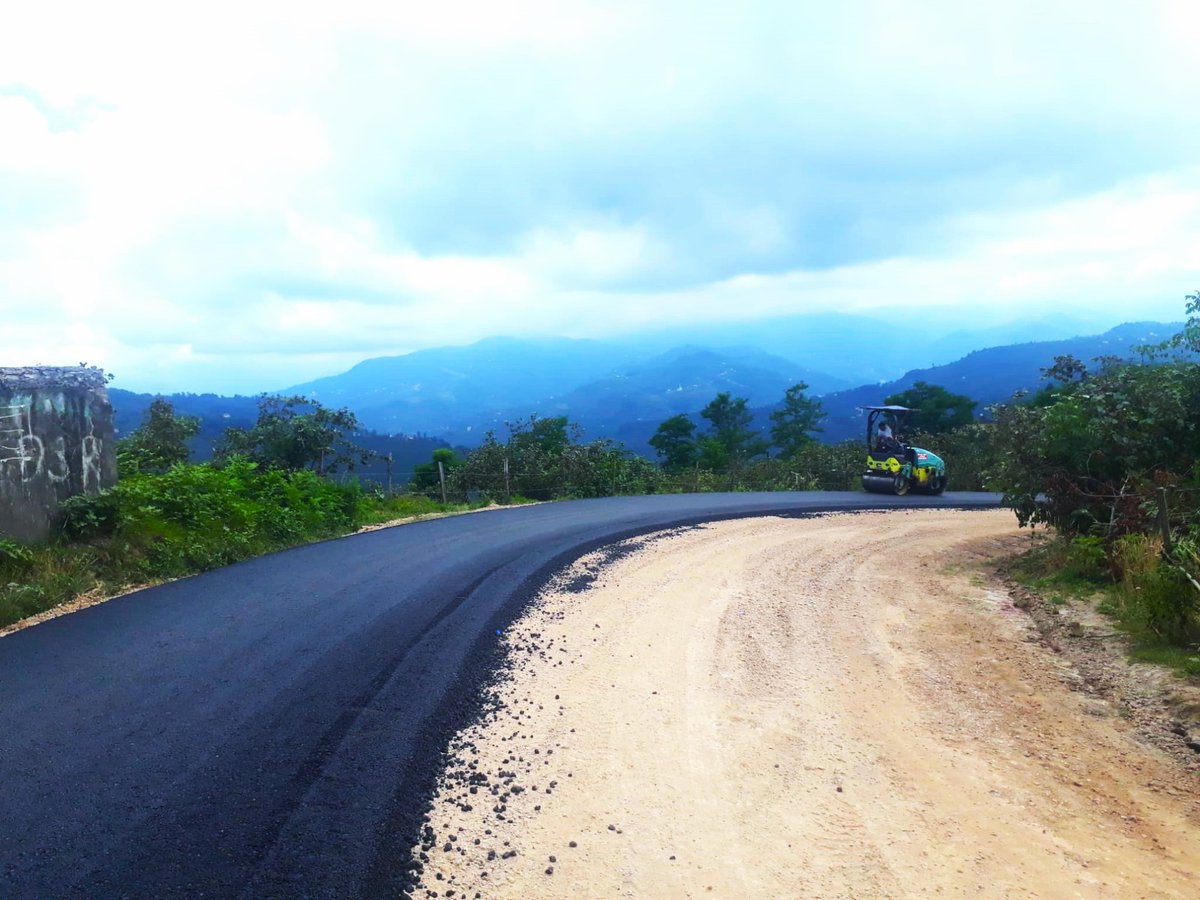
(1086, 559)
(14, 557)
(89, 516)
(196, 517)
(1161, 601)
(1135, 556)
(830, 467)
(33, 579)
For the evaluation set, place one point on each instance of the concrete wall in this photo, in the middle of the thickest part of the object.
(56, 441)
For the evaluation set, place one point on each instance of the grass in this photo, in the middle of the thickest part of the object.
(41, 578)
(1054, 568)
(1061, 572)
(1181, 659)
(377, 510)
(154, 528)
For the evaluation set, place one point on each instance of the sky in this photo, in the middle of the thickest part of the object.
(242, 196)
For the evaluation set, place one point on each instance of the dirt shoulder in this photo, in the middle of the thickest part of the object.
(824, 707)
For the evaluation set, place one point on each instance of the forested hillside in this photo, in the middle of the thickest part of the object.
(453, 396)
(215, 414)
(992, 375)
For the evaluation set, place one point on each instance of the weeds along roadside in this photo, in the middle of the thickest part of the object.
(1128, 583)
(154, 526)
(191, 518)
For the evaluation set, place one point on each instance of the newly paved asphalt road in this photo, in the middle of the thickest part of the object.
(274, 728)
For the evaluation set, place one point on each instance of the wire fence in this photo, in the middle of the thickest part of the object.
(457, 487)
(1163, 511)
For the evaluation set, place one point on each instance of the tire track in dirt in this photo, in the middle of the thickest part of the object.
(778, 708)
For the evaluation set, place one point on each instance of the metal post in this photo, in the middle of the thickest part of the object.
(389, 474)
(442, 478)
(507, 487)
(1164, 519)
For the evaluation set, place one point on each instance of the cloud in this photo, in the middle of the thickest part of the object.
(243, 196)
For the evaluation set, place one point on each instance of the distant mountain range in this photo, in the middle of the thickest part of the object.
(860, 349)
(992, 375)
(623, 390)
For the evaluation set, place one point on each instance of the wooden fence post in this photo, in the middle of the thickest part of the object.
(1164, 519)
(442, 478)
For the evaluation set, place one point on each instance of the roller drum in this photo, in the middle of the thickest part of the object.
(880, 484)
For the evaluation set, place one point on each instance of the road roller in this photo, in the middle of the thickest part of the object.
(894, 466)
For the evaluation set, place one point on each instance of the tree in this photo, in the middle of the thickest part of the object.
(1064, 375)
(1123, 431)
(675, 443)
(297, 433)
(541, 438)
(546, 461)
(1187, 340)
(426, 476)
(159, 442)
(1065, 369)
(935, 409)
(796, 421)
(730, 441)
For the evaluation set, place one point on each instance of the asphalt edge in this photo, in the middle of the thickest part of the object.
(394, 869)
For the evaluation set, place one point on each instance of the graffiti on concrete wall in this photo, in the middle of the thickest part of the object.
(56, 441)
(28, 459)
(21, 451)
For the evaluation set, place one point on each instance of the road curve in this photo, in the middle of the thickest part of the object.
(274, 728)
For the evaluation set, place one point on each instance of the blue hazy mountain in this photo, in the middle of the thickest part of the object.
(681, 380)
(624, 388)
(988, 376)
(991, 375)
(862, 349)
(459, 391)
(450, 390)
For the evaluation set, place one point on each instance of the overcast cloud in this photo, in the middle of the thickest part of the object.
(231, 198)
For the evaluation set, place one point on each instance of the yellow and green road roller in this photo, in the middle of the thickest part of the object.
(894, 466)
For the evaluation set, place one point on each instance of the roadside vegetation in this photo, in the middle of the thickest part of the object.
(1108, 456)
(272, 486)
(291, 479)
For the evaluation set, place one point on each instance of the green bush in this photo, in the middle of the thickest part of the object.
(830, 467)
(34, 579)
(196, 517)
(1162, 602)
(89, 516)
(187, 519)
(1086, 559)
(1134, 556)
(14, 557)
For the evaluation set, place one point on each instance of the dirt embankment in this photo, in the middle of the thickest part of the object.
(833, 707)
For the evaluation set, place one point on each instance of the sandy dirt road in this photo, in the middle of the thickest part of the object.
(831, 707)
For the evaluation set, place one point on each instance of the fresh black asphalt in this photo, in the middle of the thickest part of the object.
(274, 728)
